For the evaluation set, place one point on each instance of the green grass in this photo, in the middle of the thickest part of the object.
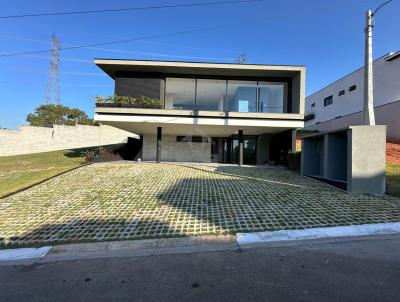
(20, 171)
(393, 178)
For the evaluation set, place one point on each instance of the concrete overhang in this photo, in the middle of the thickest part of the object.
(113, 66)
(202, 114)
(206, 126)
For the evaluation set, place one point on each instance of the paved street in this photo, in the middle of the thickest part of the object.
(119, 201)
(345, 270)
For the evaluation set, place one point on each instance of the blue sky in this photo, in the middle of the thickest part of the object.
(326, 36)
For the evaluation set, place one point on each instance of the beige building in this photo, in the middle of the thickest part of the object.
(207, 112)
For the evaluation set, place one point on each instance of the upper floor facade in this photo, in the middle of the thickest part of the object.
(180, 88)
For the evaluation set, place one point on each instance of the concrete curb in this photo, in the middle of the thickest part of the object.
(249, 240)
(22, 255)
(147, 247)
(206, 243)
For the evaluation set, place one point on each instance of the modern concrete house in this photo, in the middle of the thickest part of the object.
(208, 112)
(340, 104)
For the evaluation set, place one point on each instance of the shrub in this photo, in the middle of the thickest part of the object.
(139, 102)
(88, 155)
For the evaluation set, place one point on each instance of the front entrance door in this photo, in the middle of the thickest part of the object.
(214, 149)
(226, 150)
(249, 150)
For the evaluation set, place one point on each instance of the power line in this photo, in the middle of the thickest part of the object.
(117, 51)
(380, 6)
(128, 9)
(117, 41)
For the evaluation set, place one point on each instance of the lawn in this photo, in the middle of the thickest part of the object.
(393, 178)
(20, 171)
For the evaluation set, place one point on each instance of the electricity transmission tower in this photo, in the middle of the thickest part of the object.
(242, 59)
(53, 83)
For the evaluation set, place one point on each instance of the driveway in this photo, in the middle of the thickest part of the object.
(117, 201)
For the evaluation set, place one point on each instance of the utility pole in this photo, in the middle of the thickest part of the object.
(368, 106)
(52, 94)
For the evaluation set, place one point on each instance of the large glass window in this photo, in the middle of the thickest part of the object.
(271, 97)
(225, 95)
(242, 96)
(180, 93)
(210, 94)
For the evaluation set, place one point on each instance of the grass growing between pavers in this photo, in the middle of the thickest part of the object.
(21, 171)
(114, 201)
(393, 178)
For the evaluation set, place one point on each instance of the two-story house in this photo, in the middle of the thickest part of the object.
(207, 112)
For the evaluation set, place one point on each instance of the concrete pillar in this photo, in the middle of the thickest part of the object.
(240, 147)
(228, 150)
(293, 140)
(158, 151)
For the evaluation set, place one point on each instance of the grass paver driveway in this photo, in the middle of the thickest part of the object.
(117, 201)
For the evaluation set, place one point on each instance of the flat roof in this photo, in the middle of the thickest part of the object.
(112, 66)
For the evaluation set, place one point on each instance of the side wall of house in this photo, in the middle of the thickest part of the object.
(171, 150)
(30, 139)
(384, 115)
(346, 108)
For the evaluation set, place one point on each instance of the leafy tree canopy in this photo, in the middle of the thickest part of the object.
(47, 115)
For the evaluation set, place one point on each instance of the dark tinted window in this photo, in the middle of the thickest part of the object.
(341, 92)
(136, 87)
(192, 139)
(328, 100)
(352, 88)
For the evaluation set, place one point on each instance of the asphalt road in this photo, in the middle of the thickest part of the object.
(345, 270)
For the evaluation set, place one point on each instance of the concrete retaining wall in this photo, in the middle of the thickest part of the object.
(29, 139)
(171, 150)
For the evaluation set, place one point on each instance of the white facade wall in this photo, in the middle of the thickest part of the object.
(29, 139)
(386, 91)
(171, 150)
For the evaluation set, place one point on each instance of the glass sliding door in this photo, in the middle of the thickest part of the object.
(242, 96)
(225, 95)
(180, 93)
(249, 150)
(210, 95)
(271, 97)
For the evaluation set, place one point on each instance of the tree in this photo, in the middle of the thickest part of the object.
(48, 115)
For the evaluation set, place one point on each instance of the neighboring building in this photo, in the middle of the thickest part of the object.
(208, 112)
(340, 104)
